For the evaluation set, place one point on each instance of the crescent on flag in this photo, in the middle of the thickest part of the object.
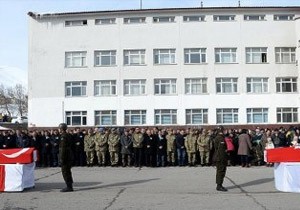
(17, 154)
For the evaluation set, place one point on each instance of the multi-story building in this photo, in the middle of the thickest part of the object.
(173, 66)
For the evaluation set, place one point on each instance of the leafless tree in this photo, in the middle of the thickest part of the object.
(6, 99)
(20, 99)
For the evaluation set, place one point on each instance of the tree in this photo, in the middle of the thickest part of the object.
(6, 99)
(20, 99)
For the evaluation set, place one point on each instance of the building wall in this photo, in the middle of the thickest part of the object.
(49, 39)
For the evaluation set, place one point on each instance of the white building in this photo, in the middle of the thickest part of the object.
(183, 66)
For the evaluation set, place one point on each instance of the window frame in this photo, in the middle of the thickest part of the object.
(128, 56)
(252, 84)
(190, 115)
(70, 115)
(112, 114)
(72, 23)
(99, 86)
(164, 19)
(70, 59)
(251, 55)
(279, 53)
(234, 112)
(222, 53)
(169, 53)
(262, 112)
(190, 82)
(129, 114)
(221, 81)
(106, 21)
(281, 111)
(99, 55)
(224, 18)
(281, 17)
(134, 20)
(281, 82)
(254, 17)
(161, 86)
(159, 114)
(69, 88)
(189, 52)
(193, 18)
(133, 83)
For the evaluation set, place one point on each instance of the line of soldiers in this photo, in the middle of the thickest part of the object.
(144, 147)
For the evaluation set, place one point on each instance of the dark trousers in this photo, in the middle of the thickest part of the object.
(221, 171)
(79, 159)
(67, 174)
(244, 160)
(138, 157)
(55, 162)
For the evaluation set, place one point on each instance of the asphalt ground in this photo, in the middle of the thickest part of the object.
(153, 188)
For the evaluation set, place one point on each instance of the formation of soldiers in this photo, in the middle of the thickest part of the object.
(151, 147)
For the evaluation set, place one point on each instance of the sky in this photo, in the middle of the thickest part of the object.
(14, 23)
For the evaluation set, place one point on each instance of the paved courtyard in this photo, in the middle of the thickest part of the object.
(153, 188)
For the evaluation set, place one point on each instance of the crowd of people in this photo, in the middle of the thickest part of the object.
(151, 147)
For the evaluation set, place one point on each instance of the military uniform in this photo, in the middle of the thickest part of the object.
(190, 144)
(221, 160)
(204, 147)
(114, 147)
(101, 147)
(171, 148)
(89, 148)
(138, 140)
(66, 158)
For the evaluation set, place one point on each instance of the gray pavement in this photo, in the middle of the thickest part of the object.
(153, 188)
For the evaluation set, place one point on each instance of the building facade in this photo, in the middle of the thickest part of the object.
(153, 67)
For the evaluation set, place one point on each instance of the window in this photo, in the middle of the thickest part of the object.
(164, 56)
(105, 58)
(226, 85)
(287, 115)
(257, 115)
(75, 59)
(108, 117)
(195, 18)
(254, 17)
(75, 88)
(286, 85)
(194, 55)
(285, 54)
(224, 17)
(195, 86)
(225, 55)
(105, 88)
(165, 116)
(75, 23)
(196, 116)
(76, 118)
(257, 85)
(134, 20)
(256, 55)
(163, 19)
(225, 116)
(134, 57)
(164, 86)
(284, 17)
(135, 87)
(135, 117)
(105, 21)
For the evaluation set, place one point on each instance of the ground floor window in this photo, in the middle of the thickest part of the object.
(165, 116)
(76, 118)
(227, 116)
(257, 115)
(287, 115)
(135, 117)
(196, 116)
(108, 117)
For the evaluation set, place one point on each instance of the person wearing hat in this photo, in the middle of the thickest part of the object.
(101, 139)
(66, 157)
(220, 157)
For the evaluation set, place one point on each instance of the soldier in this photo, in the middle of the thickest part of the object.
(55, 148)
(191, 145)
(171, 147)
(204, 147)
(78, 147)
(46, 150)
(126, 151)
(138, 141)
(101, 139)
(66, 157)
(220, 158)
(114, 147)
(180, 148)
(89, 147)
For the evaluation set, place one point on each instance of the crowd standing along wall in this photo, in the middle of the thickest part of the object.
(165, 67)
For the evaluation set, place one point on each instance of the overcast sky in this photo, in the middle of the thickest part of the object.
(14, 27)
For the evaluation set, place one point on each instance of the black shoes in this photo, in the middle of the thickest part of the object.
(221, 188)
(69, 188)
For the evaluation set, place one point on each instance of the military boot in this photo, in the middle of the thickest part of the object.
(69, 188)
(221, 188)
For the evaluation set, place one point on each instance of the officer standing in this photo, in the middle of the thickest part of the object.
(66, 157)
(114, 147)
(101, 138)
(171, 147)
(89, 147)
(191, 147)
(220, 158)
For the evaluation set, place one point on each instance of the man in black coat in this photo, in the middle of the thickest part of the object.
(79, 155)
(149, 148)
(55, 148)
(161, 147)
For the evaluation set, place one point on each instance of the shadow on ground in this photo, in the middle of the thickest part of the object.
(252, 183)
(82, 186)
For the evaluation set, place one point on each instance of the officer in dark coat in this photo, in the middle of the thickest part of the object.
(66, 157)
(55, 138)
(46, 149)
(150, 148)
(79, 155)
(220, 158)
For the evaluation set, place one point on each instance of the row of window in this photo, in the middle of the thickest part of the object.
(192, 116)
(189, 18)
(193, 86)
(168, 56)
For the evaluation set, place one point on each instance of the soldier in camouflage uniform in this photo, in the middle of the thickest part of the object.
(171, 147)
(101, 139)
(114, 147)
(204, 147)
(89, 147)
(191, 147)
(138, 143)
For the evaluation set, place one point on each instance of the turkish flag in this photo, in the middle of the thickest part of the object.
(19, 155)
